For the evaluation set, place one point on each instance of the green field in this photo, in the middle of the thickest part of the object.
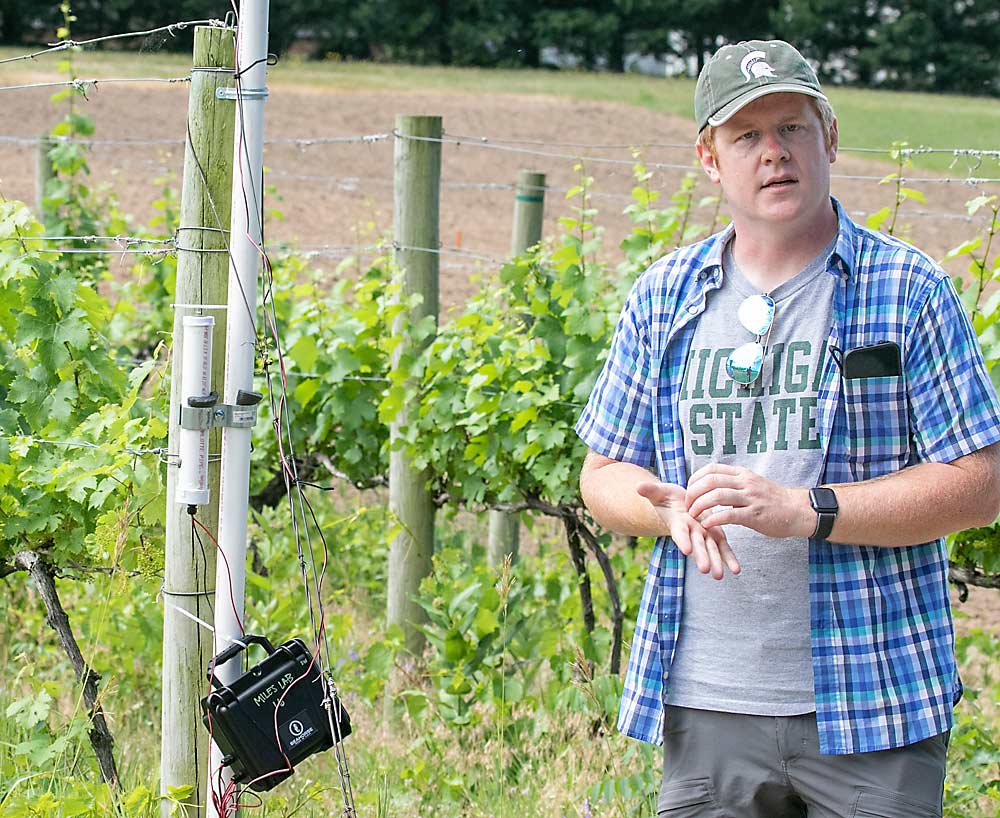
(868, 119)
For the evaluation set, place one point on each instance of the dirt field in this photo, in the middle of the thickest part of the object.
(330, 194)
(341, 194)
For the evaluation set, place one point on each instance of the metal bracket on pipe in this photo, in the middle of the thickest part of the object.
(244, 93)
(205, 412)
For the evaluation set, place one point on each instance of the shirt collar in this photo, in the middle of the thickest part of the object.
(711, 267)
(842, 258)
(845, 251)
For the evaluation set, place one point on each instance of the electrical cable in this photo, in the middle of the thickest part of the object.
(223, 798)
(282, 427)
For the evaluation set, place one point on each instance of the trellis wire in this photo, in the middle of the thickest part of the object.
(303, 142)
(665, 165)
(160, 453)
(65, 44)
(83, 85)
(495, 141)
(498, 143)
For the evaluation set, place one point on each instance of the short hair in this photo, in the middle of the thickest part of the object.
(823, 110)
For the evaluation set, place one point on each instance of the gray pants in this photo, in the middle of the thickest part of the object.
(726, 765)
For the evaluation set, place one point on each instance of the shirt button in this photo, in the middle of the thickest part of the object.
(693, 309)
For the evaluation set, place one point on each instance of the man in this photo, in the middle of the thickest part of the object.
(814, 404)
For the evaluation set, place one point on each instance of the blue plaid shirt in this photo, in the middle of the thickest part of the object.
(880, 618)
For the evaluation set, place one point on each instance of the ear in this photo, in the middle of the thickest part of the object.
(834, 142)
(708, 162)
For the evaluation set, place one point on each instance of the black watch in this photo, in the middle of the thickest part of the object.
(824, 503)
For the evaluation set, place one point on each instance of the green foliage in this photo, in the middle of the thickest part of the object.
(69, 207)
(81, 799)
(510, 665)
(933, 45)
(46, 761)
(979, 548)
(826, 29)
(501, 386)
(60, 386)
(490, 635)
(353, 559)
(914, 44)
(633, 783)
(980, 299)
(337, 345)
(972, 789)
(878, 221)
(143, 316)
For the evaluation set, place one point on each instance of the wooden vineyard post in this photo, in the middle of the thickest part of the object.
(529, 211)
(416, 197)
(202, 278)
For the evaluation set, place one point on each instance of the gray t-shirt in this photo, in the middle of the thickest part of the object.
(744, 641)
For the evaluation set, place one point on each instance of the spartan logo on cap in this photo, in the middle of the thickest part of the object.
(754, 66)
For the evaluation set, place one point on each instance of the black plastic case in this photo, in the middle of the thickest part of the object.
(241, 716)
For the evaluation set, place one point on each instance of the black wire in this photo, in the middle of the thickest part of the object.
(301, 482)
(243, 792)
(204, 560)
(270, 59)
(331, 688)
(218, 221)
(288, 466)
(194, 533)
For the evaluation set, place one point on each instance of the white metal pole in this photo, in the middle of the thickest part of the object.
(230, 579)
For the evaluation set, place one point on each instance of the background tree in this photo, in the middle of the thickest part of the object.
(707, 24)
(925, 45)
(832, 33)
(935, 45)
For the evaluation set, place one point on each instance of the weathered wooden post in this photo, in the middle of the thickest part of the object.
(202, 278)
(416, 194)
(529, 210)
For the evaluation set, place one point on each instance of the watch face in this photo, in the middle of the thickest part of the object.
(823, 500)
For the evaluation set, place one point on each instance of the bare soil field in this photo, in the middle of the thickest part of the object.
(340, 194)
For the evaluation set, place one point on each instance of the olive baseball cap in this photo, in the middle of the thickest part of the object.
(738, 74)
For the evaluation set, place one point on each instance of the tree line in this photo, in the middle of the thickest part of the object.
(919, 45)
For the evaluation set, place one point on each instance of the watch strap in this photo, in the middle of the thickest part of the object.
(824, 503)
(824, 524)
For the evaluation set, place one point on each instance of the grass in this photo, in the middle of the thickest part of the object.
(423, 768)
(868, 119)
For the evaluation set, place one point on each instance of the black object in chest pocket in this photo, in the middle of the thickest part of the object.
(878, 424)
(881, 360)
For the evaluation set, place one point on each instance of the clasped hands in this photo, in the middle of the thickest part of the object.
(718, 495)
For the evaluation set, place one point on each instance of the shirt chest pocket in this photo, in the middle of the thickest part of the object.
(878, 425)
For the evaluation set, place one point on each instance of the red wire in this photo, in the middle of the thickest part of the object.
(227, 801)
(277, 734)
(280, 409)
(221, 801)
(229, 573)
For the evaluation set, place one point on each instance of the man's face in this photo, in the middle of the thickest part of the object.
(773, 161)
